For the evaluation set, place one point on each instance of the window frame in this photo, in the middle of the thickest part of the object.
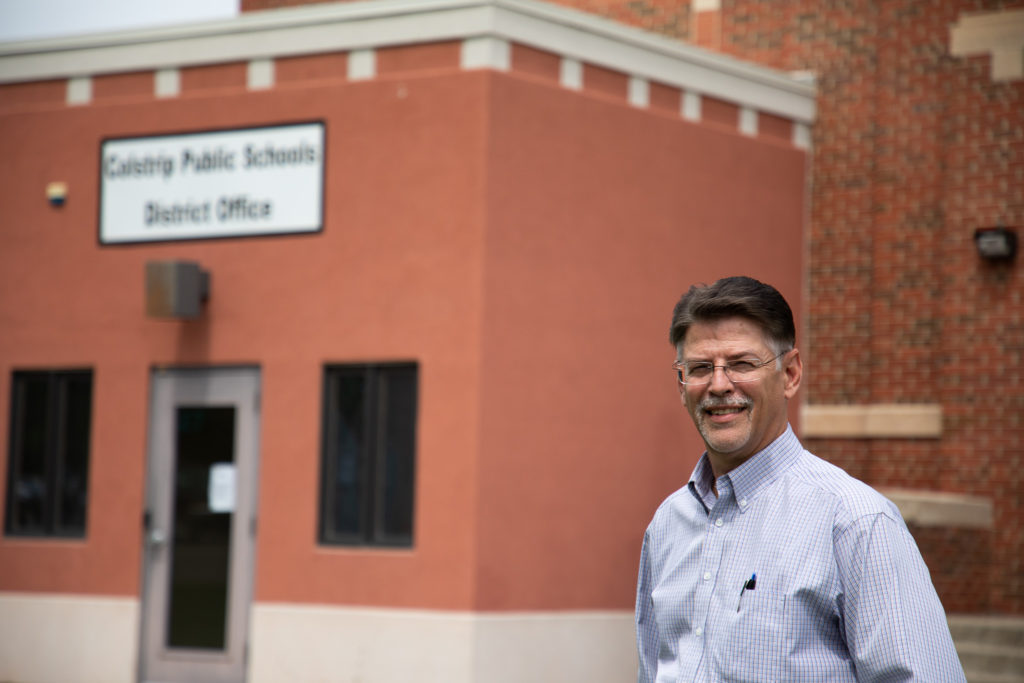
(373, 466)
(57, 450)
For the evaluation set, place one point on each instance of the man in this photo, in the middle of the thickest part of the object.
(771, 564)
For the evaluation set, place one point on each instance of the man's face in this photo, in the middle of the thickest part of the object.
(736, 420)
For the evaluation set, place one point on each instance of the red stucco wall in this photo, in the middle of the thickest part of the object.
(599, 217)
(523, 242)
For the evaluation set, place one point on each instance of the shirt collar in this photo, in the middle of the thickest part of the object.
(754, 475)
(701, 482)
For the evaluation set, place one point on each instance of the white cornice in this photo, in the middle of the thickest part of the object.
(380, 23)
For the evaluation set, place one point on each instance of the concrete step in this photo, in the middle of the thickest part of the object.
(992, 678)
(991, 630)
(991, 648)
(991, 659)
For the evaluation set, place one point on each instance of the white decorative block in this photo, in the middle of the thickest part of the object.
(571, 74)
(748, 121)
(1008, 63)
(79, 90)
(260, 75)
(998, 33)
(486, 53)
(691, 106)
(639, 92)
(362, 65)
(167, 83)
(706, 5)
(801, 135)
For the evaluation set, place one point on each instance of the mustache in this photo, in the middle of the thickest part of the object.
(710, 403)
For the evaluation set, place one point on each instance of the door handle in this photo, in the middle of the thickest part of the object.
(156, 538)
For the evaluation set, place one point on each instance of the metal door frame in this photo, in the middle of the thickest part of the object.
(198, 386)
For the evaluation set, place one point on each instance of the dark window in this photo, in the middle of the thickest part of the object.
(369, 454)
(48, 460)
(197, 608)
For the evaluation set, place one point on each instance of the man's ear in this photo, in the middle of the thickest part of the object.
(793, 369)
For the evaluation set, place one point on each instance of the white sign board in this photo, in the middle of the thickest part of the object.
(257, 181)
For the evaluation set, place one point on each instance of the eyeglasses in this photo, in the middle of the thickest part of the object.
(738, 371)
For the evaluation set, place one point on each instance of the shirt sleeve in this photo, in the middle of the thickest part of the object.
(646, 626)
(895, 627)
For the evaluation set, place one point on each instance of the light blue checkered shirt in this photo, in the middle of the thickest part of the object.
(841, 594)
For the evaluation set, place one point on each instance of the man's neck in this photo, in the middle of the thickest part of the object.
(723, 463)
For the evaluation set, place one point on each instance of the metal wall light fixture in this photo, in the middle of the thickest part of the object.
(996, 244)
(176, 289)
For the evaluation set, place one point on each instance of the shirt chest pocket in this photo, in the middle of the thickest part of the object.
(752, 642)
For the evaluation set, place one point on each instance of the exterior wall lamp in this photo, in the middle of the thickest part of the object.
(56, 193)
(996, 244)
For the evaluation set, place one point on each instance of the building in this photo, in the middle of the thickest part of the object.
(334, 337)
(915, 372)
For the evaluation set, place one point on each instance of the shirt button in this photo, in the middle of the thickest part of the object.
(743, 503)
(698, 631)
(718, 522)
(707, 576)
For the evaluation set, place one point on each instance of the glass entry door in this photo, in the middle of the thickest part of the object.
(199, 524)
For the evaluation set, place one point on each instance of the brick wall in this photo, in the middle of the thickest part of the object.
(913, 150)
(966, 558)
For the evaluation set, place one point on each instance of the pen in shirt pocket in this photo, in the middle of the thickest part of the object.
(748, 585)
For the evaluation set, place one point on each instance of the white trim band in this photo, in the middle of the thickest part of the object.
(68, 638)
(878, 420)
(97, 639)
(306, 643)
(366, 25)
